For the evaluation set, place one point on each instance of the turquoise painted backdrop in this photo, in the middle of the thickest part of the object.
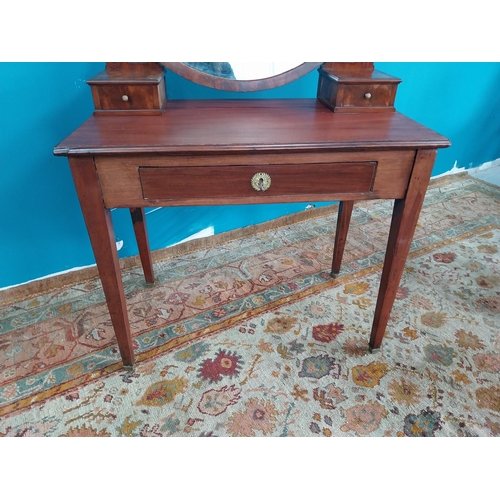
(42, 231)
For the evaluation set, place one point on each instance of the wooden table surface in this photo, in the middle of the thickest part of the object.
(247, 125)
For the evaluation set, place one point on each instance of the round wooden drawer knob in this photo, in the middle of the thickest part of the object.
(368, 95)
(125, 98)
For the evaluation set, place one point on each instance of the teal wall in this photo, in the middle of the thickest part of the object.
(458, 100)
(42, 231)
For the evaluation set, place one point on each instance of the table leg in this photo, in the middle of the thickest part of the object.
(404, 221)
(100, 228)
(141, 235)
(343, 220)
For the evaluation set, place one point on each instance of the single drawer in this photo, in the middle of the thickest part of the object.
(130, 89)
(249, 181)
(120, 97)
(368, 95)
(375, 91)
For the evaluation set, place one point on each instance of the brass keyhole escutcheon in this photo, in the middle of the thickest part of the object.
(261, 181)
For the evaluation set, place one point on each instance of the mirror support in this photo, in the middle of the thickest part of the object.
(139, 88)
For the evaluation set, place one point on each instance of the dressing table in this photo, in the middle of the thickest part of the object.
(141, 150)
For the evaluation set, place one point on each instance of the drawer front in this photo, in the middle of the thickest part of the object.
(244, 181)
(368, 95)
(124, 97)
(170, 179)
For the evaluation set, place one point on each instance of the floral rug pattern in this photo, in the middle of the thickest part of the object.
(253, 337)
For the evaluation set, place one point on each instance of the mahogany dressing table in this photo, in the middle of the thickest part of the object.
(141, 150)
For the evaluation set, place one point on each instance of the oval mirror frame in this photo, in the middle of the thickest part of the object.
(230, 85)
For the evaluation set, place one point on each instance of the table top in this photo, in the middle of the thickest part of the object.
(205, 126)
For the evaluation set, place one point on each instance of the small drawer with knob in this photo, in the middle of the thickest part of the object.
(125, 97)
(351, 95)
(115, 93)
(367, 96)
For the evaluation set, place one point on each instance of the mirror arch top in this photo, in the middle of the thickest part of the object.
(234, 85)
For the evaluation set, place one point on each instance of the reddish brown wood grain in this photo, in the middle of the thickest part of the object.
(101, 233)
(404, 221)
(347, 89)
(129, 89)
(141, 235)
(242, 126)
(177, 183)
(121, 184)
(343, 221)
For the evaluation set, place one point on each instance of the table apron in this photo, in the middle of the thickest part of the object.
(177, 180)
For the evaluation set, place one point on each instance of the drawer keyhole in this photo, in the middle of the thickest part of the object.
(261, 181)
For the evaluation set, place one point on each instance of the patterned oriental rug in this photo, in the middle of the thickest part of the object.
(251, 336)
